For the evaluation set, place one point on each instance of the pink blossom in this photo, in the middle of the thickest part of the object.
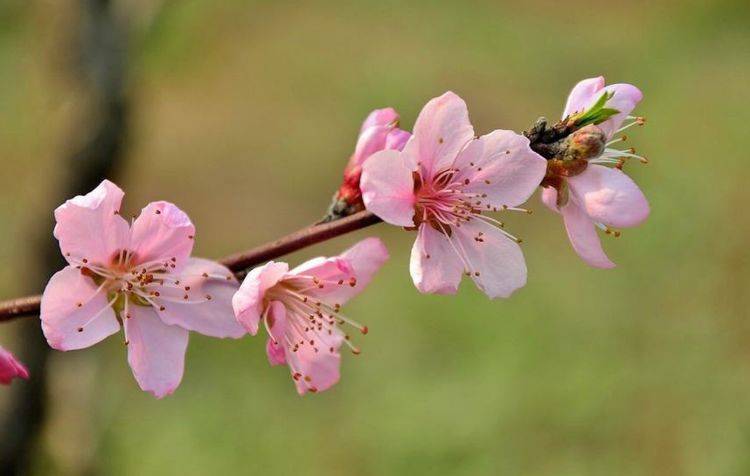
(11, 368)
(140, 276)
(599, 196)
(301, 310)
(379, 132)
(443, 184)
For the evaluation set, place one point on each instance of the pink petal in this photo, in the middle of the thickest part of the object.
(380, 117)
(497, 259)
(609, 196)
(397, 139)
(353, 269)
(371, 140)
(319, 370)
(583, 237)
(583, 95)
(89, 226)
(549, 198)
(365, 258)
(156, 351)
(440, 132)
(68, 326)
(435, 267)
(213, 317)
(11, 368)
(248, 300)
(626, 97)
(162, 232)
(275, 343)
(504, 159)
(388, 188)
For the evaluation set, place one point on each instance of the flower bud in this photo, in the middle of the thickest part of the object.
(379, 131)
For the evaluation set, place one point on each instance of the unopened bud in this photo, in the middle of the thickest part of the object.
(586, 143)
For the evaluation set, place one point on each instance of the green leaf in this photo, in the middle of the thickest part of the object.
(597, 113)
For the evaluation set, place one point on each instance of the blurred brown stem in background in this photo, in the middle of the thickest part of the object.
(99, 69)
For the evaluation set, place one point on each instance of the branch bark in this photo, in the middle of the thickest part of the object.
(238, 262)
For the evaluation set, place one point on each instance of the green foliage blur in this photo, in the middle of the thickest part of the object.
(244, 114)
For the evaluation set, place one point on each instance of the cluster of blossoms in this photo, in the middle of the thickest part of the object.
(442, 181)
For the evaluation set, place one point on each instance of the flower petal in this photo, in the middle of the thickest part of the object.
(388, 188)
(277, 325)
(247, 302)
(342, 277)
(11, 368)
(74, 312)
(626, 97)
(434, 265)
(501, 166)
(397, 139)
(497, 265)
(609, 196)
(156, 351)
(583, 236)
(212, 317)
(89, 226)
(583, 95)
(549, 198)
(161, 232)
(380, 117)
(440, 132)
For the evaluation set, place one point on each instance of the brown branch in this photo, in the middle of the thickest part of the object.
(238, 262)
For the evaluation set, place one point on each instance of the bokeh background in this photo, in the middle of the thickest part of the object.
(244, 113)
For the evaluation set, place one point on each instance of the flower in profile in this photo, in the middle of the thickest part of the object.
(588, 187)
(140, 276)
(380, 131)
(443, 184)
(10, 368)
(301, 310)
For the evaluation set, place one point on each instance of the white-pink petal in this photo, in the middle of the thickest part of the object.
(501, 168)
(583, 95)
(496, 263)
(625, 98)
(247, 302)
(549, 198)
(161, 232)
(207, 306)
(90, 227)
(609, 196)
(75, 313)
(434, 265)
(387, 188)
(156, 351)
(583, 236)
(440, 132)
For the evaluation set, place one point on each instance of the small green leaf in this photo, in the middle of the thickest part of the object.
(597, 113)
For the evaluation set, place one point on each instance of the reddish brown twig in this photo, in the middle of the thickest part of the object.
(238, 262)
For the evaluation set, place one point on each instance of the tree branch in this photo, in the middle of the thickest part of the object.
(238, 262)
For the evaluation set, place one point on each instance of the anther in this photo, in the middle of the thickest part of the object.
(158, 212)
(80, 329)
(161, 308)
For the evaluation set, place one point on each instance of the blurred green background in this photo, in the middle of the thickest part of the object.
(244, 113)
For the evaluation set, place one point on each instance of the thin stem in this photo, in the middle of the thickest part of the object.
(238, 262)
